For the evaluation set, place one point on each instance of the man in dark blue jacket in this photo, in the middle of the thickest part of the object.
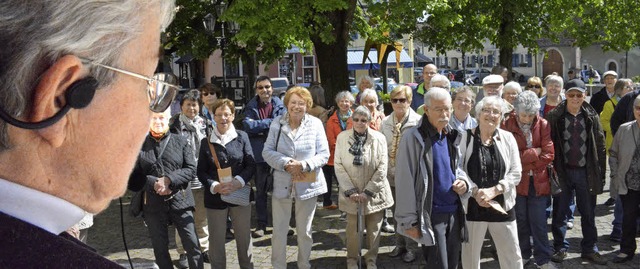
(259, 113)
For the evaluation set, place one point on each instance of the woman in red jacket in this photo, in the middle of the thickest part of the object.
(533, 135)
(339, 121)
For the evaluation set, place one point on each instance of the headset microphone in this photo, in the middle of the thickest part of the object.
(78, 95)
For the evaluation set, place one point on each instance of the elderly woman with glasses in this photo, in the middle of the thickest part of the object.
(361, 168)
(534, 84)
(554, 95)
(533, 135)
(369, 99)
(339, 121)
(393, 126)
(463, 100)
(491, 161)
(297, 149)
(165, 166)
(230, 149)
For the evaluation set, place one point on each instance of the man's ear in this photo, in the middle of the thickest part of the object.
(49, 96)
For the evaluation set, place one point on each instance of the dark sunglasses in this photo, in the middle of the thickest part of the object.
(534, 86)
(399, 100)
(264, 87)
(356, 120)
(207, 93)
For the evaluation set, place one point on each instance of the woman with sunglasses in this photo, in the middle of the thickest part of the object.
(210, 94)
(393, 126)
(534, 84)
(554, 95)
(361, 169)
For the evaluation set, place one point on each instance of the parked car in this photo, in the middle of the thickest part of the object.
(519, 77)
(280, 86)
(477, 75)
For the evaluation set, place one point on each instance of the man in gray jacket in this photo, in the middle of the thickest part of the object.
(429, 184)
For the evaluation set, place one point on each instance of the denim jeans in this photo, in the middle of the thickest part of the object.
(616, 232)
(262, 171)
(530, 216)
(631, 202)
(576, 180)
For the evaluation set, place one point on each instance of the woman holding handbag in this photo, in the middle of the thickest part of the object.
(225, 166)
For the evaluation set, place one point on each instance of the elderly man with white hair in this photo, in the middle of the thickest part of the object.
(439, 81)
(63, 151)
(430, 212)
(491, 86)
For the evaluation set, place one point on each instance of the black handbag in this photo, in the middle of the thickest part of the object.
(554, 181)
(135, 207)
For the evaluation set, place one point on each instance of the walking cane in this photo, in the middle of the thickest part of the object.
(360, 225)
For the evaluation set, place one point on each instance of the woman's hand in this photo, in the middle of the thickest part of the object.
(413, 232)
(293, 167)
(483, 196)
(228, 187)
(359, 198)
(162, 186)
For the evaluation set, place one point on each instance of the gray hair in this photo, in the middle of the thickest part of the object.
(317, 94)
(492, 100)
(436, 93)
(367, 78)
(37, 33)
(512, 85)
(345, 94)
(191, 95)
(527, 102)
(362, 111)
(619, 86)
(553, 79)
(369, 93)
(440, 79)
(464, 89)
(636, 101)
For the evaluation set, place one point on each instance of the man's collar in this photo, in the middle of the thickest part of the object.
(46, 211)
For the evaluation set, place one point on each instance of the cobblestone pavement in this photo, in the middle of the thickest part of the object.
(328, 250)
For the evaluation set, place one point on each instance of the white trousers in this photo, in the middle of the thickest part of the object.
(281, 215)
(505, 236)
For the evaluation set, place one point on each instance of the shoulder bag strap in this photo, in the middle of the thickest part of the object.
(163, 146)
(213, 153)
(277, 140)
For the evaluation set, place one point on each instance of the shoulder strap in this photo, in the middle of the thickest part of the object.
(277, 140)
(213, 153)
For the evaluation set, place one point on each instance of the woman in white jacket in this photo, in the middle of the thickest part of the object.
(361, 168)
(297, 149)
(491, 161)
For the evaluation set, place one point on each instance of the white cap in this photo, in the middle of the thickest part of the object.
(610, 72)
(492, 79)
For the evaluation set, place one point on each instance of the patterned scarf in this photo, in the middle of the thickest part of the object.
(356, 147)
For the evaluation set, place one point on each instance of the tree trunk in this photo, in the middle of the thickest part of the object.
(250, 70)
(332, 56)
(506, 57)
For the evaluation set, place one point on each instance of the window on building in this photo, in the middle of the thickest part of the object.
(309, 68)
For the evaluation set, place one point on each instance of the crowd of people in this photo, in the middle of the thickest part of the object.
(466, 166)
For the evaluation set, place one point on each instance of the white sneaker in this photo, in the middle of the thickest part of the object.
(569, 225)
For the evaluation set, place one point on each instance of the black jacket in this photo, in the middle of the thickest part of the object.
(624, 111)
(236, 154)
(596, 155)
(177, 163)
(598, 99)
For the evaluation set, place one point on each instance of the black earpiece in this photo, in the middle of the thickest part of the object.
(81, 92)
(77, 96)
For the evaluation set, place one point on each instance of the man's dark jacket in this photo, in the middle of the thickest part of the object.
(257, 128)
(598, 99)
(177, 163)
(23, 245)
(624, 111)
(596, 155)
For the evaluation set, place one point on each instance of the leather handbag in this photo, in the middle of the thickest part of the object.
(240, 196)
(554, 181)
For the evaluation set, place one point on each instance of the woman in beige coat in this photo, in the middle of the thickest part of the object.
(361, 168)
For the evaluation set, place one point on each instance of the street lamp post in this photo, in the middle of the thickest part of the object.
(222, 40)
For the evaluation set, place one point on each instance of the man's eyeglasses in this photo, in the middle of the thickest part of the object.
(534, 86)
(399, 100)
(264, 87)
(161, 88)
